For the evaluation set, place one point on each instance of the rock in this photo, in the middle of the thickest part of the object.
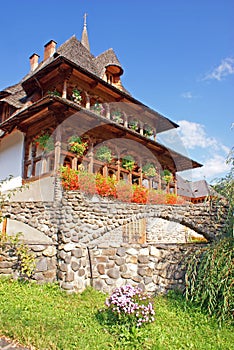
(132, 251)
(78, 253)
(121, 251)
(143, 259)
(50, 251)
(81, 272)
(69, 276)
(101, 269)
(41, 265)
(113, 273)
(75, 266)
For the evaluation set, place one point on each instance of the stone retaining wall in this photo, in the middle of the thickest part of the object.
(156, 268)
(107, 243)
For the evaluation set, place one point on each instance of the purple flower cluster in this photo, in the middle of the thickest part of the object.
(133, 302)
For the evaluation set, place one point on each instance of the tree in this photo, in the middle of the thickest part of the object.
(225, 187)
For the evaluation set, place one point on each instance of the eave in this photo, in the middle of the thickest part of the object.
(102, 127)
(164, 123)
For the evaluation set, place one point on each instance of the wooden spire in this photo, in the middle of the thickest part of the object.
(84, 38)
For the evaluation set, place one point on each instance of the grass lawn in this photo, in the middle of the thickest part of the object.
(46, 318)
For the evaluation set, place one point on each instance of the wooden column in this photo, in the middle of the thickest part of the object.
(159, 182)
(64, 94)
(141, 128)
(105, 170)
(107, 109)
(44, 161)
(74, 163)
(57, 148)
(87, 105)
(175, 182)
(141, 176)
(118, 169)
(90, 167)
(125, 120)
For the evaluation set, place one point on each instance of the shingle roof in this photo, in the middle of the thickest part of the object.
(106, 59)
(194, 189)
(14, 95)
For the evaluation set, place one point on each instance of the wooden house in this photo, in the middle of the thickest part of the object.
(71, 96)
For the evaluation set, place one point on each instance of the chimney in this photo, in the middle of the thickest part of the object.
(34, 61)
(49, 49)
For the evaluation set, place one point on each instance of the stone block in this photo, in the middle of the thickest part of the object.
(131, 259)
(78, 252)
(75, 266)
(120, 261)
(69, 276)
(81, 272)
(101, 269)
(144, 251)
(98, 284)
(50, 251)
(50, 275)
(132, 251)
(143, 259)
(113, 273)
(41, 265)
(68, 247)
(121, 251)
(38, 248)
(67, 286)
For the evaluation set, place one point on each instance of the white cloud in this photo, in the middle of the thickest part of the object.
(213, 167)
(192, 138)
(225, 68)
(188, 95)
(193, 135)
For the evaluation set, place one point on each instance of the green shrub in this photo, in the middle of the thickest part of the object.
(210, 279)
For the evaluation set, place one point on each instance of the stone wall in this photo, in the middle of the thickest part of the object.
(88, 240)
(155, 268)
(45, 258)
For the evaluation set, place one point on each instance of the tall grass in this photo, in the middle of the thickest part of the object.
(210, 279)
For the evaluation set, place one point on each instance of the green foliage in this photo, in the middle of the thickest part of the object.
(77, 145)
(76, 95)
(133, 124)
(103, 154)
(46, 318)
(225, 187)
(54, 93)
(210, 279)
(149, 170)
(45, 141)
(167, 176)
(26, 261)
(128, 162)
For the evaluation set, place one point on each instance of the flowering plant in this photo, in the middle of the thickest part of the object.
(133, 124)
(45, 141)
(76, 95)
(140, 194)
(131, 304)
(117, 117)
(128, 162)
(104, 154)
(167, 176)
(149, 170)
(98, 108)
(77, 145)
(148, 131)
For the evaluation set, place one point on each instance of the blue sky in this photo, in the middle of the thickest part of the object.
(178, 58)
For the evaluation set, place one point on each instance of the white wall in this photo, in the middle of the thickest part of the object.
(11, 159)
